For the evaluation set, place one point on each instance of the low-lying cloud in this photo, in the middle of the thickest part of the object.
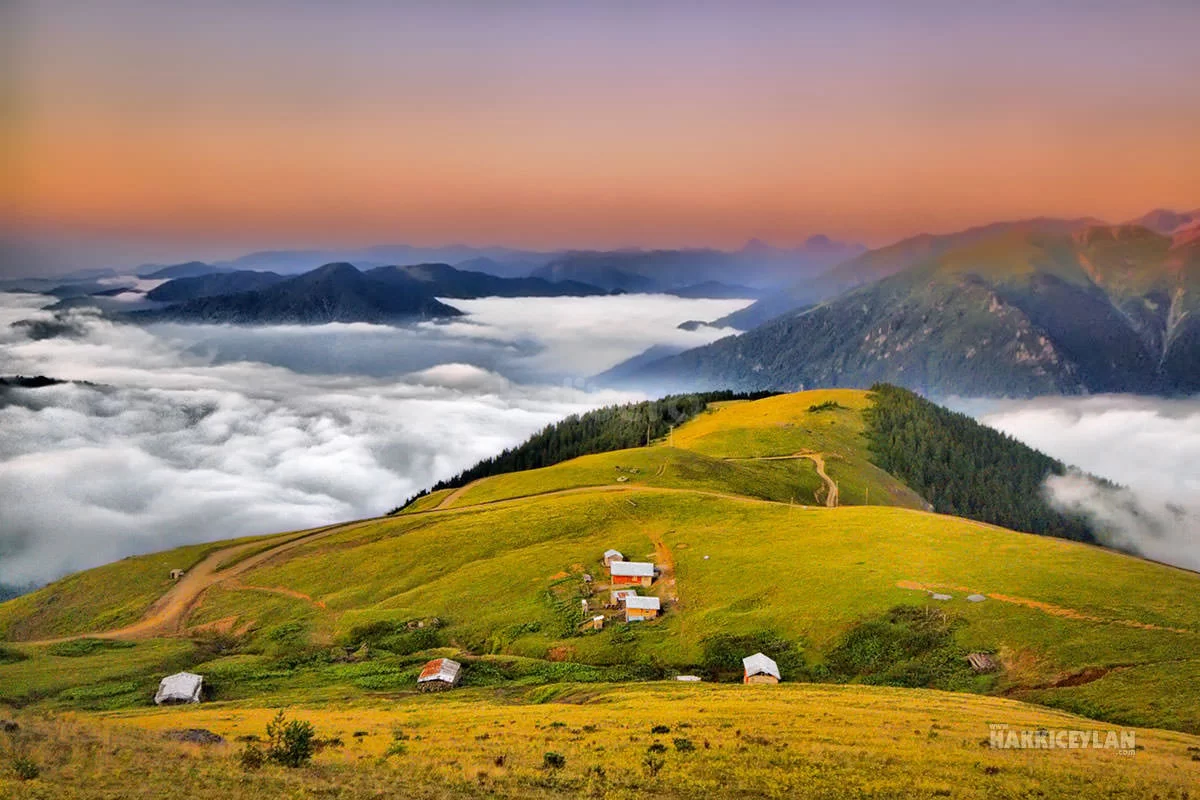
(1149, 446)
(192, 433)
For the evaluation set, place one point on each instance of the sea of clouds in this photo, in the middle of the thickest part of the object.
(188, 433)
(191, 433)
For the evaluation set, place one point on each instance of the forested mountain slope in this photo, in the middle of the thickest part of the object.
(1106, 309)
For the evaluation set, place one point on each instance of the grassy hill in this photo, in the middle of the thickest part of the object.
(733, 508)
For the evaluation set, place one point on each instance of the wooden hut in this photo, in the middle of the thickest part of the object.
(981, 662)
(639, 609)
(176, 574)
(612, 555)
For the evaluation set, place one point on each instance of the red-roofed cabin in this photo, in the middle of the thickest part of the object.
(632, 573)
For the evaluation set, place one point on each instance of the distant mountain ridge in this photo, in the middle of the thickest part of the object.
(756, 265)
(339, 293)
(879, 263)
(332, 293)
(1010, 311)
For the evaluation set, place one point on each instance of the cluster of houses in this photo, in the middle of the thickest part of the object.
(441, 674)
(624, 575)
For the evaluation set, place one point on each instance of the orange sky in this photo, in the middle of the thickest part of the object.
(551, 126)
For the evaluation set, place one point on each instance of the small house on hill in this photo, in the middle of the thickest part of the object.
(632, 573)
(760, 669)
(596, 623)
(612, 555)
(176, 574)
(439, 675)
(638, 608)
(182, 687)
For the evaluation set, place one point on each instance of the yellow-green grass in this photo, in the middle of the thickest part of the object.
(98, 599)
(779, 426)
(108, 597)
(426, 502)
(124, 675)
(716, 452)
(784, 481)
(748, 742)
(1073, 625)
(807, 574)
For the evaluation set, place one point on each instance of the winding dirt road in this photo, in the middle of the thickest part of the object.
(168, 615)
(818, 459)
(452, 498)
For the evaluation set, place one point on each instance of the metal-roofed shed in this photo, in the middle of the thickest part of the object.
(759, 668)
(439, 675)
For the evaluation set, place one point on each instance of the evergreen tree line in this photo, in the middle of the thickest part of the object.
(600, 431)
(965, 468)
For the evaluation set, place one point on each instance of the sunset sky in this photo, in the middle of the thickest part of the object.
(211, 128)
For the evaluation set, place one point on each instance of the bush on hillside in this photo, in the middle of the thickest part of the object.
(910, 646)
(290, 742)
(723, 654)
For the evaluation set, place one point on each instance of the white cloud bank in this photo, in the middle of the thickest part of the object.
(1150, 446)
(195, 433)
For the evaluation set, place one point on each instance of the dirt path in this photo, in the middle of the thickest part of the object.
(166, 617)
(233, 583)
(1047, 608)
(665, 561)
(818, 459)
(453, 497)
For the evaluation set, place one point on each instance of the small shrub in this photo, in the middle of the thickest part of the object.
(398, 746)
(684, 745)
(657, 747)
(653, 764)
(251, 757)
(552, 760)
(499, 760)
(9, 655)
(657, 729)
(25, 768)
(290, 742)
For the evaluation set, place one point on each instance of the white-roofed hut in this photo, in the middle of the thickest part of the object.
(182, 687)
(612, 555)
(760, 669)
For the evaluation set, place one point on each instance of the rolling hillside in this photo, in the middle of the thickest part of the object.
(1010, 313)
(772, 530)
(751, 512)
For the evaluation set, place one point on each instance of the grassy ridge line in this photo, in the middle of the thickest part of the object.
(600, 431)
